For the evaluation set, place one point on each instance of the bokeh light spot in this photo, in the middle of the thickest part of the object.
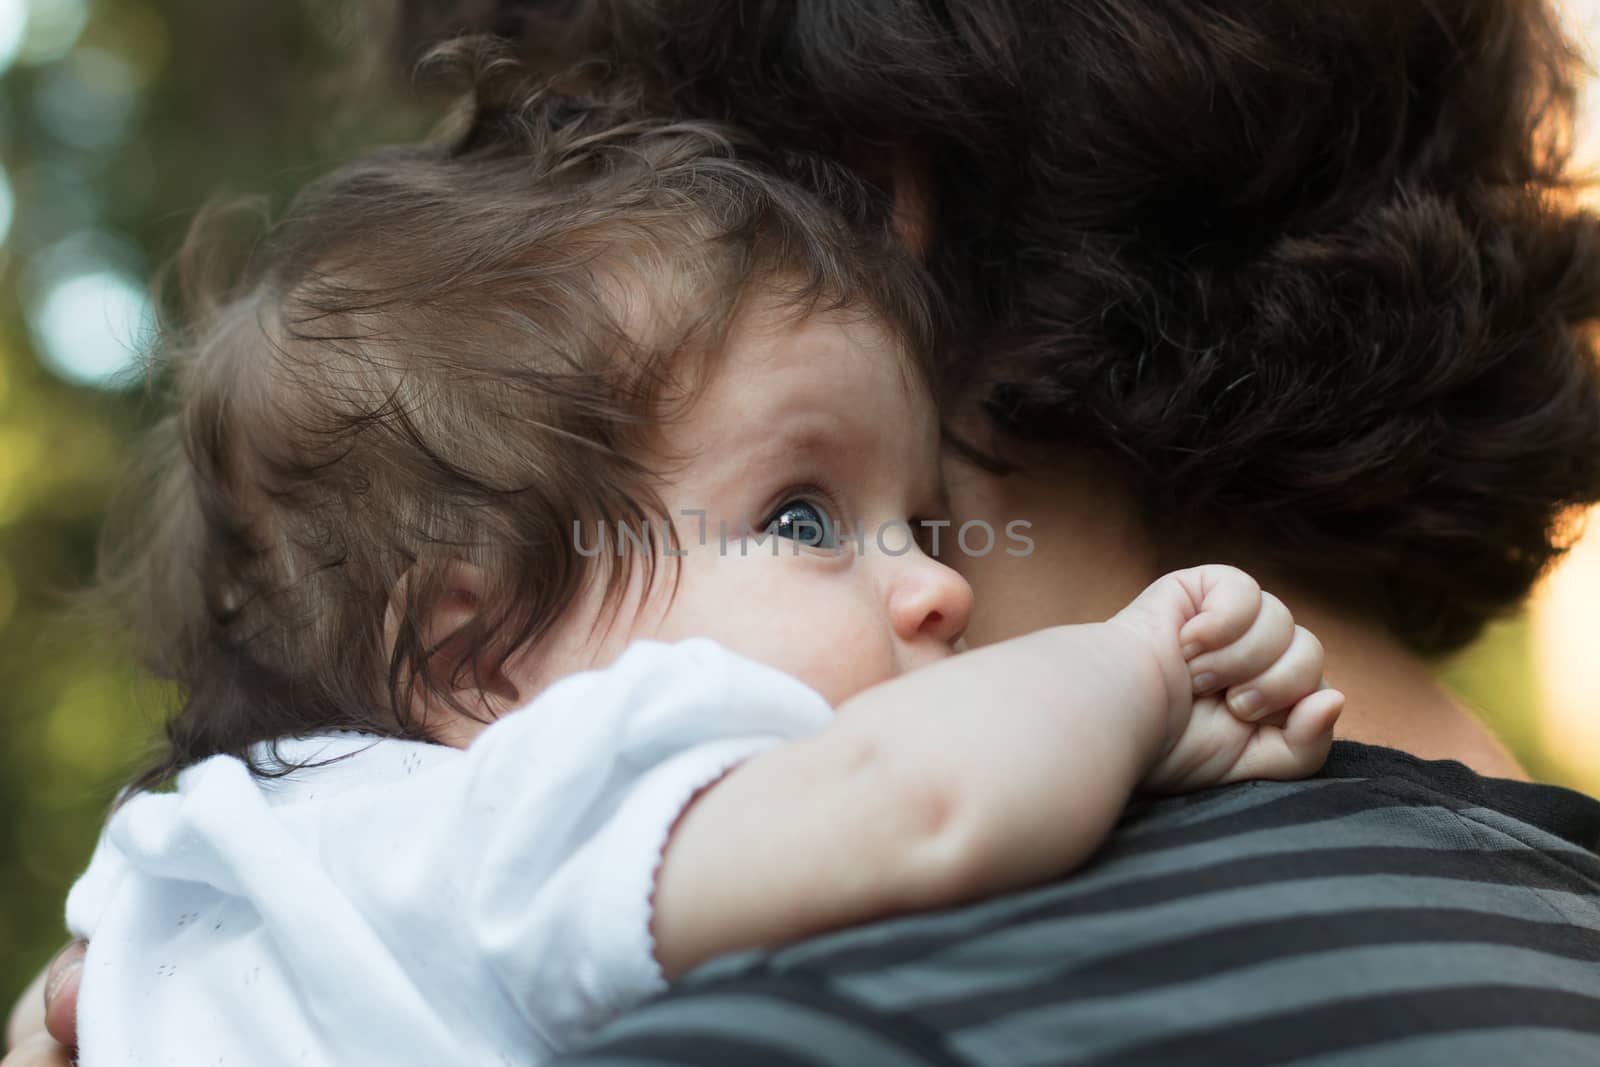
(19, 452)
(88, 99)
(90, 326)
(13, 23)
(53, 27)
(78, 734)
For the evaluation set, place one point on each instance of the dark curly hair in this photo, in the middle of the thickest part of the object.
(1311, 274)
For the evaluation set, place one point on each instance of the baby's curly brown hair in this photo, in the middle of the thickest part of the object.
(1310, 274)
(452, 353)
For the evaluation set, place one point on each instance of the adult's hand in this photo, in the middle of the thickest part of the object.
(44, 1026)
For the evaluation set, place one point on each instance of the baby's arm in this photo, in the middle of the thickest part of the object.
(990, 771)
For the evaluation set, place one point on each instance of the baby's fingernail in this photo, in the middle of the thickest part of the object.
(1204, 683)
(59, 976)
(1191, 650)
(1246, 701)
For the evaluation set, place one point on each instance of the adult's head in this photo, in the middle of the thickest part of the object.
(1304, 281)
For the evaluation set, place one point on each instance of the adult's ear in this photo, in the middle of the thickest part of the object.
(442, 604)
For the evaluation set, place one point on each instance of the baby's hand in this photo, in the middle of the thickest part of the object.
(1245, 692)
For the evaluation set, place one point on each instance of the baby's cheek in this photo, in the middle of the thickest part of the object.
(847, 659)
(835, 636)
(732, 600)
(810, 622)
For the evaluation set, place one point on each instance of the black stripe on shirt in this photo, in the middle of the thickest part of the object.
(835, 1029)
(1298, 807)
(1367, 1023)
(1214, 952)
(694, 1048)
(1521, 868)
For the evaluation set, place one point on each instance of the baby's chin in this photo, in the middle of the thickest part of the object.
(837, 667)
(838, 686)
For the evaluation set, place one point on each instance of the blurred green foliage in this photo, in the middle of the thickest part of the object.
(118, 119)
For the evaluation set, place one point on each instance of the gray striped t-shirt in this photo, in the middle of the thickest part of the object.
(1389, 913)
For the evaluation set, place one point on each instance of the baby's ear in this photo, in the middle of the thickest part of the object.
(432, 609)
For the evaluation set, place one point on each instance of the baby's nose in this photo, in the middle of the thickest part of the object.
(930, 602)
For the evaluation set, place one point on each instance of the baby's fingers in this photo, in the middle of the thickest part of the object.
(1296, 749)
(1227, 602)
(1251, 654)
(1295, 675)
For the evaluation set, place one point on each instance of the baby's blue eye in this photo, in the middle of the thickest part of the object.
(804, 522)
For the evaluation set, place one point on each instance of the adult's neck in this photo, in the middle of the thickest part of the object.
(1393, 695)
(1092, 556)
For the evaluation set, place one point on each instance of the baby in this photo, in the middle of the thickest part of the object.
(544, 546)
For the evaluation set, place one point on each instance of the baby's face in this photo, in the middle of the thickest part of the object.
(817, 429)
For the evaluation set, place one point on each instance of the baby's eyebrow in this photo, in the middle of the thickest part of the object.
(832, 437)
(770, 444)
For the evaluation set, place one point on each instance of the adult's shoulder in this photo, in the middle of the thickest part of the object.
(1527, 809)
(1389, 910)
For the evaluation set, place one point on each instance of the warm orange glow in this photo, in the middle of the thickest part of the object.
(1566, 612)
(1566, 648)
